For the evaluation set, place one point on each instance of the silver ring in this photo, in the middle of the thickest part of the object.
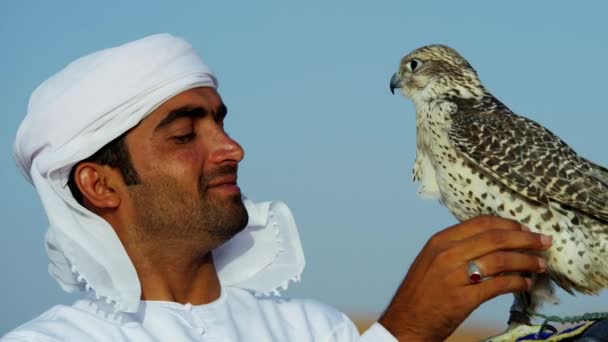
(474, 273)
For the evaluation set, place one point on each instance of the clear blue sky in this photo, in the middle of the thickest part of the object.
(306, 84)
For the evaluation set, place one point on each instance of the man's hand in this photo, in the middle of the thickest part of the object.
(436, 295)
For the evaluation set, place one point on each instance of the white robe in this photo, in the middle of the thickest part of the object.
(236, 316)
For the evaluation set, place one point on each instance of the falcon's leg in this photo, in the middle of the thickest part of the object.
(519, 321)
(518, 313)
(524, 302)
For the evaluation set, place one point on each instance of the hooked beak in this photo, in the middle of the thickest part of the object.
(395, 82)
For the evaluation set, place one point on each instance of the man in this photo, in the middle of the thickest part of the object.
(128, 152)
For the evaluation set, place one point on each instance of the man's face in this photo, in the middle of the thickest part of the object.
(187, 166)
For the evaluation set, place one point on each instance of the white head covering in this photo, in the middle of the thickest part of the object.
(86, 105)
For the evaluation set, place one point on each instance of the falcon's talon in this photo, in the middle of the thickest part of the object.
(546, 326)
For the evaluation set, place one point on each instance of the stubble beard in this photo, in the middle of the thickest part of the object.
(165, 213)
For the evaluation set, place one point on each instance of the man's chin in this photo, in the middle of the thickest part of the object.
(236, 216)
(243, 216)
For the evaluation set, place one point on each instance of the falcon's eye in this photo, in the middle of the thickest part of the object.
(413, 64)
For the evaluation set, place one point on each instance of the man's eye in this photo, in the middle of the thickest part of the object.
(186, 138)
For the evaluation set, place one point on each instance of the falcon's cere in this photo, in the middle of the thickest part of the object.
(479, 158)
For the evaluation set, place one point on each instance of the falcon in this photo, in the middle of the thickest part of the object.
(479, 158)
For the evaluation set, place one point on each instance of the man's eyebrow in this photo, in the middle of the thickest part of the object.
(190, 111)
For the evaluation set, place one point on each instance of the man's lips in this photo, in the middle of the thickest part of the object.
(228, 181)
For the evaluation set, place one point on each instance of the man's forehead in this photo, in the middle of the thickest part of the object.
(204, 97)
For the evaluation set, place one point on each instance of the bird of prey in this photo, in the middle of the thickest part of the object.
(479, 158)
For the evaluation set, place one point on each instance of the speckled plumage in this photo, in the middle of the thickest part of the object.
(478, 157)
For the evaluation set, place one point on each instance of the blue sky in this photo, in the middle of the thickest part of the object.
(306, 84)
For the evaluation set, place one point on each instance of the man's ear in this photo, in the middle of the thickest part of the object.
(99, 185)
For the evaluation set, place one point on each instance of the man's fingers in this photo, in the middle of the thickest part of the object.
(477, 225)
(499, 262)
(494, 240)
(499, 285)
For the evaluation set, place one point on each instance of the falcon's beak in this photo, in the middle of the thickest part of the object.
(395, 82)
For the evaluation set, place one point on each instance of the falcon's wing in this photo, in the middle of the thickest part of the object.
(530, 160)
(600, 171)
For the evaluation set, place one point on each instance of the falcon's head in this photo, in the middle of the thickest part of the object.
(436, 71)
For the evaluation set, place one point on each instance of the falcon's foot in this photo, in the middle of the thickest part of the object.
(517, 318)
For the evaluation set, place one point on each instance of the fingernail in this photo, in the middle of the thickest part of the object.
(525, 228)
(546, 240)
(529, 283)
(542, 264)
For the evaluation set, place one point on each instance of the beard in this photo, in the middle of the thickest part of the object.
(166, 212)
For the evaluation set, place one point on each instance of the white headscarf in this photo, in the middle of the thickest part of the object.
(92, 101)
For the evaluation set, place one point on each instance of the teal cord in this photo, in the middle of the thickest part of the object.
(591, 316)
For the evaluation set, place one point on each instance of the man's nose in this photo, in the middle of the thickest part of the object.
(226, 149)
